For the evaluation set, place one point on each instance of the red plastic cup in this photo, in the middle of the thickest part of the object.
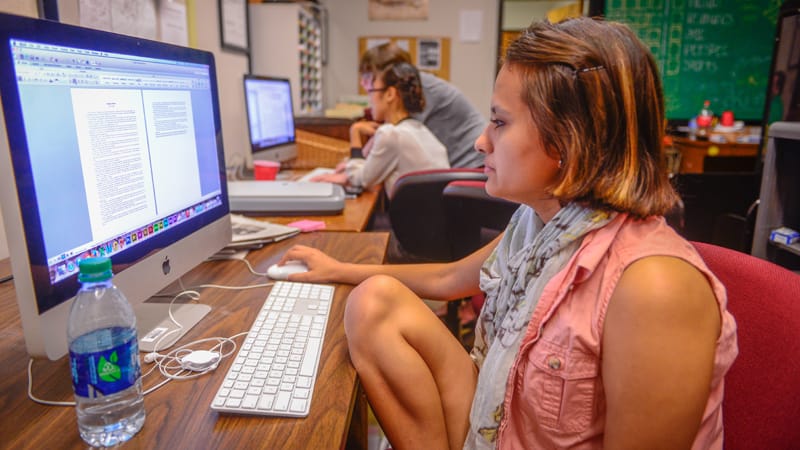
(265, 170)
(727, 119)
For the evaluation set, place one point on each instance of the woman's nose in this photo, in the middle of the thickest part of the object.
(482, 144)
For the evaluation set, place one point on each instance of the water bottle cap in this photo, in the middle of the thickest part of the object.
(95, 269)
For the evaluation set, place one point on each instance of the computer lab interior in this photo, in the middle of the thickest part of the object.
(738, 183)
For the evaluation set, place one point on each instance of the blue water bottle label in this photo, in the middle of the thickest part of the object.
(97, 374)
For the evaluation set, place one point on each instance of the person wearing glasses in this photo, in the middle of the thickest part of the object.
(602, 327)
(447, 112)
(401, 143)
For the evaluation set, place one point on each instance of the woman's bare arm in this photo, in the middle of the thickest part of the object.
(659, 342)
(441, 281)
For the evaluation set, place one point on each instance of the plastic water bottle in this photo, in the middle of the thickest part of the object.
(104, 358)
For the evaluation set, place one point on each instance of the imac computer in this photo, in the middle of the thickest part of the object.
(109, 145)
(270, 118)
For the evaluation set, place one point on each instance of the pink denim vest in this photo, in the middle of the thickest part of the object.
(554, 397)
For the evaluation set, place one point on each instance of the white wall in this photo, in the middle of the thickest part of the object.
(231, 66)
(25, 8)
(21, 7)
(472, 65)
(3, 241)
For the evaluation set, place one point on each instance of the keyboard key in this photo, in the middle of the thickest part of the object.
(309, 367)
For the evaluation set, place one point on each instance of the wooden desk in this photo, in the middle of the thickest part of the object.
(179, 414)
(355, 216)
(694, 152)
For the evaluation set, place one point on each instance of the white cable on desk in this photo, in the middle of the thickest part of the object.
(165, 363)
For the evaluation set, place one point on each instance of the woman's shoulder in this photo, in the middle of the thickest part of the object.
(647, 235)
(661, 257)
(387, 131)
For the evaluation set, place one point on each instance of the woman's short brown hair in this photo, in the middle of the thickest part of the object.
(594, 93)
(377, 58)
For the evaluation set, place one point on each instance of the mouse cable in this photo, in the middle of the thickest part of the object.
(177, 362)
(174, 365)
(164, 363)
(194, 295)
(244, 260)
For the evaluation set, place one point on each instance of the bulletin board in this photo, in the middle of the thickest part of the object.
(430, 54)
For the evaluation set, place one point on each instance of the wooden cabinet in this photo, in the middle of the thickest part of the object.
(779, 198)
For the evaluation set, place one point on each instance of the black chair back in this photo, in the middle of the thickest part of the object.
(417, 214)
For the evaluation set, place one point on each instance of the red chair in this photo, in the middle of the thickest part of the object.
(761, 409)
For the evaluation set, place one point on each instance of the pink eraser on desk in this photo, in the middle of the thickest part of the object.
(308, 225)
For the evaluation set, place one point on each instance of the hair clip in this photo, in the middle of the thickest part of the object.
(587, 69)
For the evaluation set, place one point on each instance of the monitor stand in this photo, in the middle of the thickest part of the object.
(157, 331)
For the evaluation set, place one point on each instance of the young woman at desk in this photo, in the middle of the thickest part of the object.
(601, 327)
(448, 113)
(402, 144)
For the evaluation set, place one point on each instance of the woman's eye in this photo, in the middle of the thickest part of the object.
(497, 123)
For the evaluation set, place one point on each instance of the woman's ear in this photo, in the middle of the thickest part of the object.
(391, 94)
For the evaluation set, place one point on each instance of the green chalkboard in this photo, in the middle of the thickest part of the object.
(717, 50)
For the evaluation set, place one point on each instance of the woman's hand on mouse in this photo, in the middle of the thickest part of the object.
(321, 267)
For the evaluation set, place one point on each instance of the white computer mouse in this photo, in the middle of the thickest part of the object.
(277, 272)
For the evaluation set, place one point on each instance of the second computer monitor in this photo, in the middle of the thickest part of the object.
(270, 117)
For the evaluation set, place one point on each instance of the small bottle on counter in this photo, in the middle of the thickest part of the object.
(705, 121)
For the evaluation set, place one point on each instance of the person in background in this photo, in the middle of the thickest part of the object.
(448, 113)
(602, 327)
(401, 144)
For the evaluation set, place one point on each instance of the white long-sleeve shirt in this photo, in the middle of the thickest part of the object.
(397, 149)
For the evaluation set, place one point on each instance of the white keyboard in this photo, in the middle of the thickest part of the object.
(276, 367)
(315, 172)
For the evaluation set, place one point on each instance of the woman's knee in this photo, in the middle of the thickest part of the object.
(371, 302)
(371, 297)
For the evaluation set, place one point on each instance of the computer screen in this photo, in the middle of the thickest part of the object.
(270, 117)
(111, 146)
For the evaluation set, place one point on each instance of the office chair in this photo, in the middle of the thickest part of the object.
(418, 223)
(474, 217)
(761, 408)
(416, 212)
